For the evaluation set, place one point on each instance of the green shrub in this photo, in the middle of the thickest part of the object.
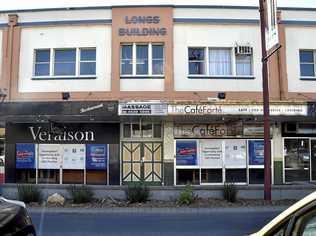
(230, 192)
(80, 194)
(187, 196)
(29, 193)
(137, 192)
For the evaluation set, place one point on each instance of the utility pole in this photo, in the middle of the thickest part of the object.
(266, 112)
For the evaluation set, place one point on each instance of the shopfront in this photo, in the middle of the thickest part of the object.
(216, 153)
(62, 143)
(142, 142)
(299, 152)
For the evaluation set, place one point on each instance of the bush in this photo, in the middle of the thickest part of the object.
(137, 192)
(29, 193)
(80, 194)
(230, 192)
(187, 196)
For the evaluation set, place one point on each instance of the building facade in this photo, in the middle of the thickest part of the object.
(166, 94)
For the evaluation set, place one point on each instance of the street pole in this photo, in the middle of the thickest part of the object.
(266, 124)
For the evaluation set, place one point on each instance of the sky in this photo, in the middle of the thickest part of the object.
(39, 4)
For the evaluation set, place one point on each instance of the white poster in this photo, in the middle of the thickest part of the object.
(235, 153)
(49, 156)
(211, 153)
(74, 156)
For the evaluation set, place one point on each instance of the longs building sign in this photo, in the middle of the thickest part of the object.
(275, 110)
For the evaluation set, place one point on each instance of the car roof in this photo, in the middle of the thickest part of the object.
(295, 207)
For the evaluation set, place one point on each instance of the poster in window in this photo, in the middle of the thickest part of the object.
(235, 153)
(97, 155)
(49, 156)
(211, 153)
(74, 156)
(25, 156)
(186, 152)
(256, 152)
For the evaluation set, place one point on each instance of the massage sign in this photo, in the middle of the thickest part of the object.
(142, 26)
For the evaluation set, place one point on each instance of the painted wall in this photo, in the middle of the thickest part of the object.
(66, 37)
(293, 44)
(209, 35)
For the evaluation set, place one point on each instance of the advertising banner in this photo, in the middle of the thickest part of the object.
(143, 108)
(25, 156)
(74, 156)
(211, 153)
(256, 152)
(49, 156)
(235, 153)
(186, 152)
(96, 156)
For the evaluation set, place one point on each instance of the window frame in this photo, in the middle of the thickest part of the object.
(52, 61)
(149, 61)
(307, 77)
(35, 63)
(205, 60)
(233, 60)
(80, 61)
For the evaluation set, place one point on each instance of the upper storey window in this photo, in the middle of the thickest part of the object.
(220, 62)
(142, 60)
(307, 63)
(59, 63)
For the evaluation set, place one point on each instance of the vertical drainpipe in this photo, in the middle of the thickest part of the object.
(13, 21)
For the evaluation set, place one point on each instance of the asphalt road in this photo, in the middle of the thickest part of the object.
(138, 223)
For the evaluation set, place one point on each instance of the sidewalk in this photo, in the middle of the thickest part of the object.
(181, 210)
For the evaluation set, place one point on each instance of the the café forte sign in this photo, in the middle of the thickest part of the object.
(142, 26)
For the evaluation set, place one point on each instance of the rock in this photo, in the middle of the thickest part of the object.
(56, 199)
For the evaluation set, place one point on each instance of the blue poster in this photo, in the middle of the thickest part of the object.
(256, 152)
(96, 156)
(186, 152)
(25, 156)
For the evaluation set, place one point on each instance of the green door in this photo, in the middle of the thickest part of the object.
(142, 161)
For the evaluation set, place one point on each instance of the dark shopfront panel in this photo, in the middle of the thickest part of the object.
(64, 135)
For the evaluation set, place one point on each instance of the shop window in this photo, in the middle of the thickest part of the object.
(1, 146)
(73, 177)
(307, 63)
(236, 175)
(211, 175)
(48, 176)
(256, 176)
(96, 177)
(296, 160)
(196, 61)
(157, 130)
(142, 59)
(188, 176)
(25, 176)
(142, 130)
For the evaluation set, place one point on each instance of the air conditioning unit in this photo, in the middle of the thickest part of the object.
(243, 50)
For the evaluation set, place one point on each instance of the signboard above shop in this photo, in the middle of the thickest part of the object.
(143, 108)
(207, 109)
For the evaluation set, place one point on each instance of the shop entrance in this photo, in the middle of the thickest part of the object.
(142, 161)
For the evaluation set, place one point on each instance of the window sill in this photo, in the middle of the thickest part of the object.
(142, 77)
(64, 77)
(221, 77)
(308, 78)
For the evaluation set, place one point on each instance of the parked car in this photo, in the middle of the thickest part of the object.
(299, 220)
(14, 219)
